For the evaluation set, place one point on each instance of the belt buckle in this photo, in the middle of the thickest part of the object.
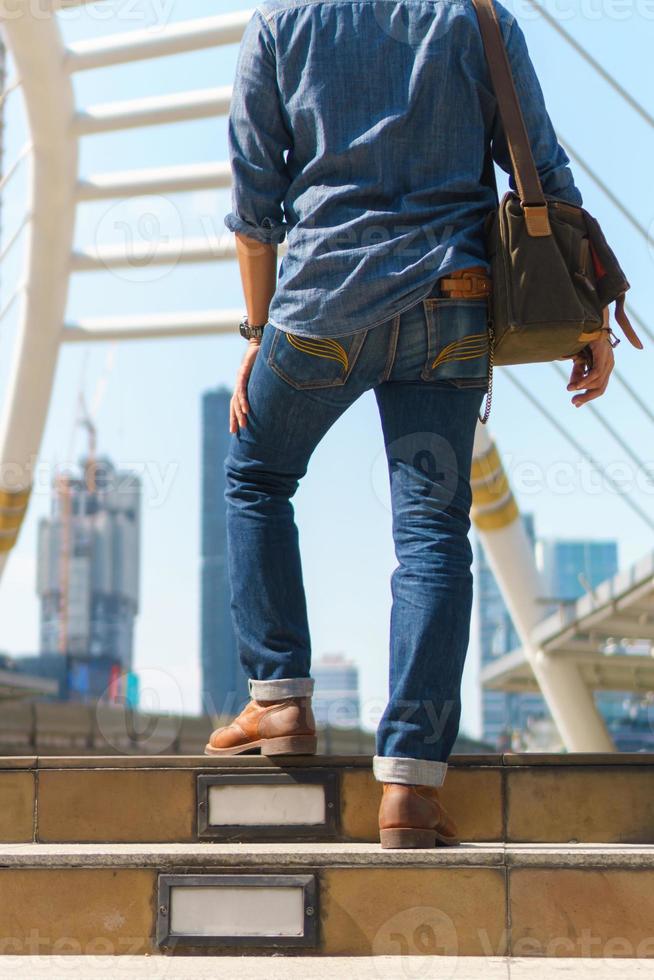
(464, 284)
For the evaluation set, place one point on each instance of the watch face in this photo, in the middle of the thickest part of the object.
(248, 331)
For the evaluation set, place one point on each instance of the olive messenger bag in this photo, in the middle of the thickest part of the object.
(553, 272)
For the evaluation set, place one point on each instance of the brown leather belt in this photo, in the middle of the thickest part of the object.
(471, 283)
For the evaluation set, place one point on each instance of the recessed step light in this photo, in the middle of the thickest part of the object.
(239, 805)
(237, 909)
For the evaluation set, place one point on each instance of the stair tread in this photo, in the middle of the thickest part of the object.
(322, 968)
(493, 760)
(316, 855)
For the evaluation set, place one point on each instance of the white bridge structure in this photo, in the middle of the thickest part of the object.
(563, 656)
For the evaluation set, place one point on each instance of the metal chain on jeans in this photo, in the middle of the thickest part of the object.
(489, 394)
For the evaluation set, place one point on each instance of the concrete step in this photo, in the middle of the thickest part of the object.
(605, 798)
(328, 899)
(323, 968)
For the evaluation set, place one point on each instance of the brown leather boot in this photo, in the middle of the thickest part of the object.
(413, 816)
(283, 727)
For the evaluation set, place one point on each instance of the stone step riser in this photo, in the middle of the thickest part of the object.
(404, 910)
(128, 800)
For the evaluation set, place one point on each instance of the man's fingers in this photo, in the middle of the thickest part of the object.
(239, 404)
(240, 398)
(242, 394)
(596, 377)
(595, 384)
(588, 397)
(236, 412)
(578, 368)
(590, 394)
(596, 381)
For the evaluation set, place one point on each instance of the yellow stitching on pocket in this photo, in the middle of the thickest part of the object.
(473, 350)
(469, 338)
(469, 345)
(463, 340)
(465, 349)
(459, 357)
(319, 347)
(318, 344)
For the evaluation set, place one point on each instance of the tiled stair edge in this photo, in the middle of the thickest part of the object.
(359, 761)
(203, 856)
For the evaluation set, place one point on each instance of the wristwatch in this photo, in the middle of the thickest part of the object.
(249, 331)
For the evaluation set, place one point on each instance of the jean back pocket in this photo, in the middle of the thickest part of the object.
(314, 362)
(458, 342)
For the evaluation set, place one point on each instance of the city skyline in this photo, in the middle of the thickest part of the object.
(149, 418)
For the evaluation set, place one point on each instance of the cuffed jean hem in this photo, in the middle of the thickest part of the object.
(286, 687)
(413, 772)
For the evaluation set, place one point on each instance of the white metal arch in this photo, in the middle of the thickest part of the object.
(38, 53)
(44, 67)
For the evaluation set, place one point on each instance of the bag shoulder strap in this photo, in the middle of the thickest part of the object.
(525, 173)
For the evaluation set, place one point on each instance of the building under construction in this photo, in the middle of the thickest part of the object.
(88, 572)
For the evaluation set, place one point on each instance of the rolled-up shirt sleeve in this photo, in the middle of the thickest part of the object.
(258, 139)
(551, 159)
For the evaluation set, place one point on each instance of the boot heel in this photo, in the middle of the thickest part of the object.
(290, 745)
(407, 837)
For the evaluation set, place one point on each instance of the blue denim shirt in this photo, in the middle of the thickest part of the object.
(360, 128)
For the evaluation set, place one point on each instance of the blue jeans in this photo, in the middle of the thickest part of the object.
(428, 368)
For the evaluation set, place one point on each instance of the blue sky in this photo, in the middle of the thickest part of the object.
(147, 394)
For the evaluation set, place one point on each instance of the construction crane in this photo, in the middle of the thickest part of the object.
(64, 492)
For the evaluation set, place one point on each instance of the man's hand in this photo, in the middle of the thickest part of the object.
(596, 380)
(238, 406)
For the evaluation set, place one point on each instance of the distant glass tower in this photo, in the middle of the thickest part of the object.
(569, 568)
(336, 695)
(88, 572)
(224, 683)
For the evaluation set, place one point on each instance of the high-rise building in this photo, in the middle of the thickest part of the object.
(88, 573)
(336, 695)
(224, 683)
(570, 568)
